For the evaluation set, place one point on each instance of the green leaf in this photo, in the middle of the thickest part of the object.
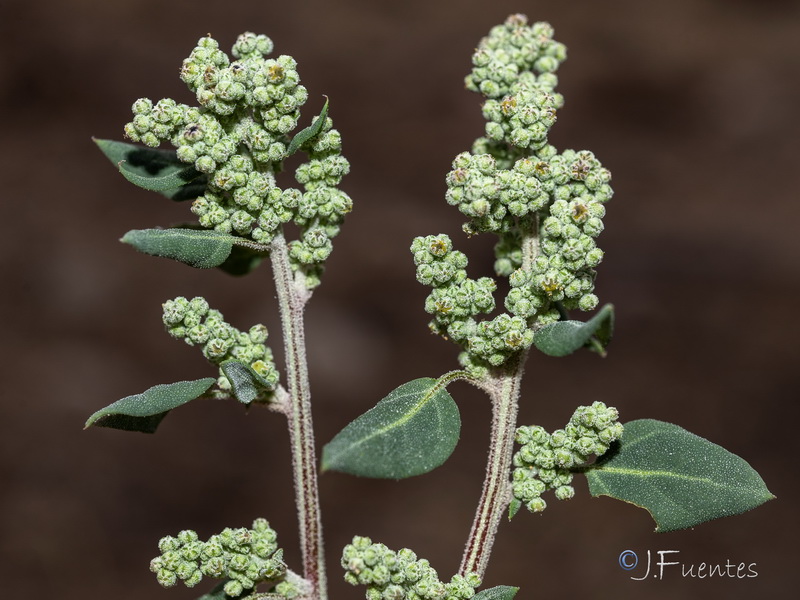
(679, 477)
(411, 431)
(199, 248)
(513, 507)
(245, 382)
(143, 412)
(500, 592)
(565, 337)
(155, 170)
(309, 132)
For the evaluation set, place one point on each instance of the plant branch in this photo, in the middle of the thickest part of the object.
(503, 389)
(292, 297)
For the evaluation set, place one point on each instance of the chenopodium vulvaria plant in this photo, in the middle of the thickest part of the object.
(545, 208)
(237, 140)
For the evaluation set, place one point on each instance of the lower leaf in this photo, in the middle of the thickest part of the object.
(411, 431)
(500, 592)
(143, 412)
(679, 477)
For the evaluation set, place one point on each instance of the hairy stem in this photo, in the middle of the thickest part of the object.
(503, 389)
(292, 297)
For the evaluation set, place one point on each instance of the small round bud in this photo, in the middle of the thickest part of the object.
(536, 505)
(233, 588)
(186, 570)
(166, 578)
(588, 302)
(168, 543)
(199, 306)
(205, 164)
(565, 492)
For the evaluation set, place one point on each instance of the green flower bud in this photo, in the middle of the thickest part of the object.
(186, 571)
(214, 567)
(191, 551)
(171, 559)
(392, 592)
(233, 588)
(168, 543)
(588, 302)
(564, 458)
(536, 505)
(166, 578)
(558, 438)
(565, 492)
(205, 164)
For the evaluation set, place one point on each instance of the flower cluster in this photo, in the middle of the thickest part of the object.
(197, 324)
(239, 136)
(545, 207)
(456, 300)
(515, 53)
(246, 557)
(545, 459)
(391, 575)
(523, 118)
(494, 198)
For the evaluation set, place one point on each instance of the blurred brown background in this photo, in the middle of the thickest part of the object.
(691, 103)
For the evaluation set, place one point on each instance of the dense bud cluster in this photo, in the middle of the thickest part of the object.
(546, 207)
(456, 300)
(515, 53)
(238, 138)
(523, 118)
(246, 557)
(545, 460)
(197, 324)
(493, 198)
(391, 575)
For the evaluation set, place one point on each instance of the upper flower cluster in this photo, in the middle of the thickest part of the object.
(515, 53)
(238, 138)
(545, 206)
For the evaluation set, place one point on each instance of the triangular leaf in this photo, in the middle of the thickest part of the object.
(154, 169)
(513, 507)
(500, 592)
(411, 431)
(309, 132)
(143, 412)
(679, 477)
(565, 337)
(199, 248)
(246, 384)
